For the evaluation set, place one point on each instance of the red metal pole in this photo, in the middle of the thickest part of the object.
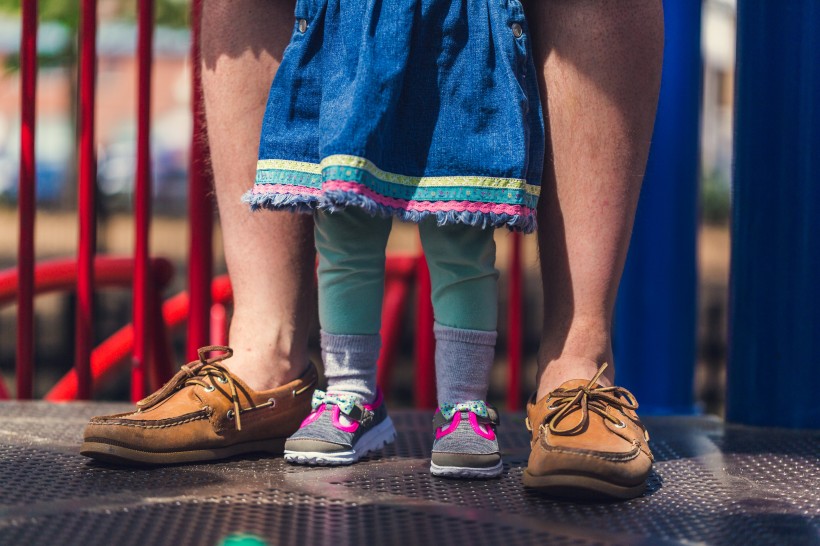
(425, 341)
(87, 196)
(27, 198)
(142, 199)
(514, 333)
(200, 215)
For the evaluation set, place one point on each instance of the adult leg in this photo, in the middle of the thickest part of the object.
(270, 258)
(269, 255)
(601, 77)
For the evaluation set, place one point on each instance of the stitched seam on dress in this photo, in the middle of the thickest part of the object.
(362, 164)
(513, 197)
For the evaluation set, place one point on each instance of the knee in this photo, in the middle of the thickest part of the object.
(347, 241)
(467, 250)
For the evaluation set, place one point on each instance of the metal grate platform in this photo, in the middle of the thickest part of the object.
(712, 484)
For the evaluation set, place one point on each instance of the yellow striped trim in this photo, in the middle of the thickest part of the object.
(421, 182)
(285, 165)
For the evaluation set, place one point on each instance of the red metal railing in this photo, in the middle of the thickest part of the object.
(87, 214)
(142, 299)
(200, 206)
(62, 275)
(26, 203)
(147, 339)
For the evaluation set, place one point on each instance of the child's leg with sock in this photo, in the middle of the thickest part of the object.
(348, 420)
(465, 302)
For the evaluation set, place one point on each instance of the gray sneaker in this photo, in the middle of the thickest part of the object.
(466, 445)
(340, 430)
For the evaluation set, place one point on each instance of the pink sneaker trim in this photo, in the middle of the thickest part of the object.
(441, 433)
(354, 425)
(312, 416)
(489, 434)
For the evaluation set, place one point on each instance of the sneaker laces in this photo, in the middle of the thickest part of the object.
(202, 372)
(588, 399)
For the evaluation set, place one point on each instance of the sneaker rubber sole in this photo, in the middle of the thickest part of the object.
(579, 487)
(101, 450)
(461, 472)
(378, 437)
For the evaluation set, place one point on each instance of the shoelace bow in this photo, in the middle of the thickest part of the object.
(485, 413)
(586, 398)
(479, 407)
(349, 404)
(346, 402)
(198, 373)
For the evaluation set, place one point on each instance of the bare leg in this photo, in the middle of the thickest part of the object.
(269, 255)
(601, 76)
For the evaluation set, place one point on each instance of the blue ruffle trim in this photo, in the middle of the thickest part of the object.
(281, 201)
(336, 200)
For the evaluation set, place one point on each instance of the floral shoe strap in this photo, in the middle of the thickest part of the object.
(481, 409)
(349, 404)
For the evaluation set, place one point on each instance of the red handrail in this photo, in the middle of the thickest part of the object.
(61, 275)
(113, 352)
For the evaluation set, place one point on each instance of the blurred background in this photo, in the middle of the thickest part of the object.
(56, 222)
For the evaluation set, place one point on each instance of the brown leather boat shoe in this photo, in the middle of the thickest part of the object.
(587, 443)
(203, 413)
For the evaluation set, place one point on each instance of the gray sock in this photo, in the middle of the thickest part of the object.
(463, 362)
(350, 363)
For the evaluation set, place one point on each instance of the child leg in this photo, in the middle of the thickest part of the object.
(351, 245)
(464, 292)
(349, 420)
(465, 304)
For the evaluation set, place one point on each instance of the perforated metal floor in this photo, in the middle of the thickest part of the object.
(712, 484)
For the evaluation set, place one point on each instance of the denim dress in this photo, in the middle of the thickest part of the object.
(405, 108)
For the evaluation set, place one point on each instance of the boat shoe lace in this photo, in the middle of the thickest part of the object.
(588, 398)
(202, 372)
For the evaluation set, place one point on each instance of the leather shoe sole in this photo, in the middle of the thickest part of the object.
(103, 450)
(579, 487)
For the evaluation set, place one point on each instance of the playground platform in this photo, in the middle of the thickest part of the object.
(713, 483)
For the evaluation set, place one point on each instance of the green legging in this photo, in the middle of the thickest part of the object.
(351, 247)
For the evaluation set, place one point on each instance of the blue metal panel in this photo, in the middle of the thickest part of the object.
(655, 319)
(774, 346)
